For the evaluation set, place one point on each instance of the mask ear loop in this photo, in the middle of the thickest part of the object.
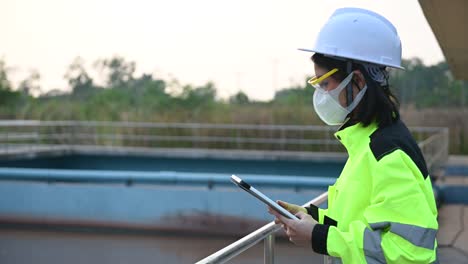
(349, 88)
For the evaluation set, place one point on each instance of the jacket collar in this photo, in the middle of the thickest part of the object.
(352, 135)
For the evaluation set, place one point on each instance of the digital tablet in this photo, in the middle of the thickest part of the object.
(250, 189)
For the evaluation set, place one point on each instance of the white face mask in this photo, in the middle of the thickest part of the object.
(327, 104)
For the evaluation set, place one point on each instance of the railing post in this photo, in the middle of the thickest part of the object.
(38, 134)
(269, 249)
(282, 138)
(7, 143)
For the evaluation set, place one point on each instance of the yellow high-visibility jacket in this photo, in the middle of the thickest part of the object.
(382, 208)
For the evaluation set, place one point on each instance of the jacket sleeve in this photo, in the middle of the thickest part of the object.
(316, 213)
(400, 225)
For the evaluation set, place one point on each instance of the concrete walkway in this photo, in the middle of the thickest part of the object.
(453, 220)
(453, 234)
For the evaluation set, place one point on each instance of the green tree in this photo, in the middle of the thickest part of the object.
(150, 92)
(5, 84)
(199, 96)
(78, 79)
(298, 94)
(9, 99)
(116, 70)
(30, 85)
(421, 85)
(239, 98)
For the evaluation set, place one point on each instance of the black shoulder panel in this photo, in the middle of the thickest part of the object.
(397, 136)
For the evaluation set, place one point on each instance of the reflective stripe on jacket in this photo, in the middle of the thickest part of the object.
(381, 209)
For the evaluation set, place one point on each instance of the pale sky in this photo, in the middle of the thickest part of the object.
(239, 45)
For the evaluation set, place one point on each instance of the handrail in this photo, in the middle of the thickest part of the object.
(234, 249)
(292, 138)
(435, 149)
(177, 138)
(26, 135)
(10, 123)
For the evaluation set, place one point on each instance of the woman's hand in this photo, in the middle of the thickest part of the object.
(293, 208)
(298, 231)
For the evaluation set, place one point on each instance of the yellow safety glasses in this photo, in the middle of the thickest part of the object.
(317, 83)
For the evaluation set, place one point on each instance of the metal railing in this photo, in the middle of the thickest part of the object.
(28, 134)
(435, 149)
(265, 233)
(168, 135)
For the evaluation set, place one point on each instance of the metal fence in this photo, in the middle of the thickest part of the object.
(168, 135)
(435, 148)
(15, 134)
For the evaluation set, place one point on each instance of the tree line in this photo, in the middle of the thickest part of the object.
(419, 86)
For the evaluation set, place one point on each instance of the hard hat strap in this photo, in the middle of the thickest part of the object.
(349, 88)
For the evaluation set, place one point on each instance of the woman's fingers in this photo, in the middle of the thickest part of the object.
(283, 204)
(298, 231)
(269, 210)
(301, 215)
(283, 219)
(286, 205)
(293, 208)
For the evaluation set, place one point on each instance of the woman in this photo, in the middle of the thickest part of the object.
(381, 208)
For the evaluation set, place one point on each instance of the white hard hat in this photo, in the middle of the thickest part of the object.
(361, 35)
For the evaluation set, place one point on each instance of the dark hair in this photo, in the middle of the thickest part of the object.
(378, 103)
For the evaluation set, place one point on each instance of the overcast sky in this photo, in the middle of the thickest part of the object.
(248, 45)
